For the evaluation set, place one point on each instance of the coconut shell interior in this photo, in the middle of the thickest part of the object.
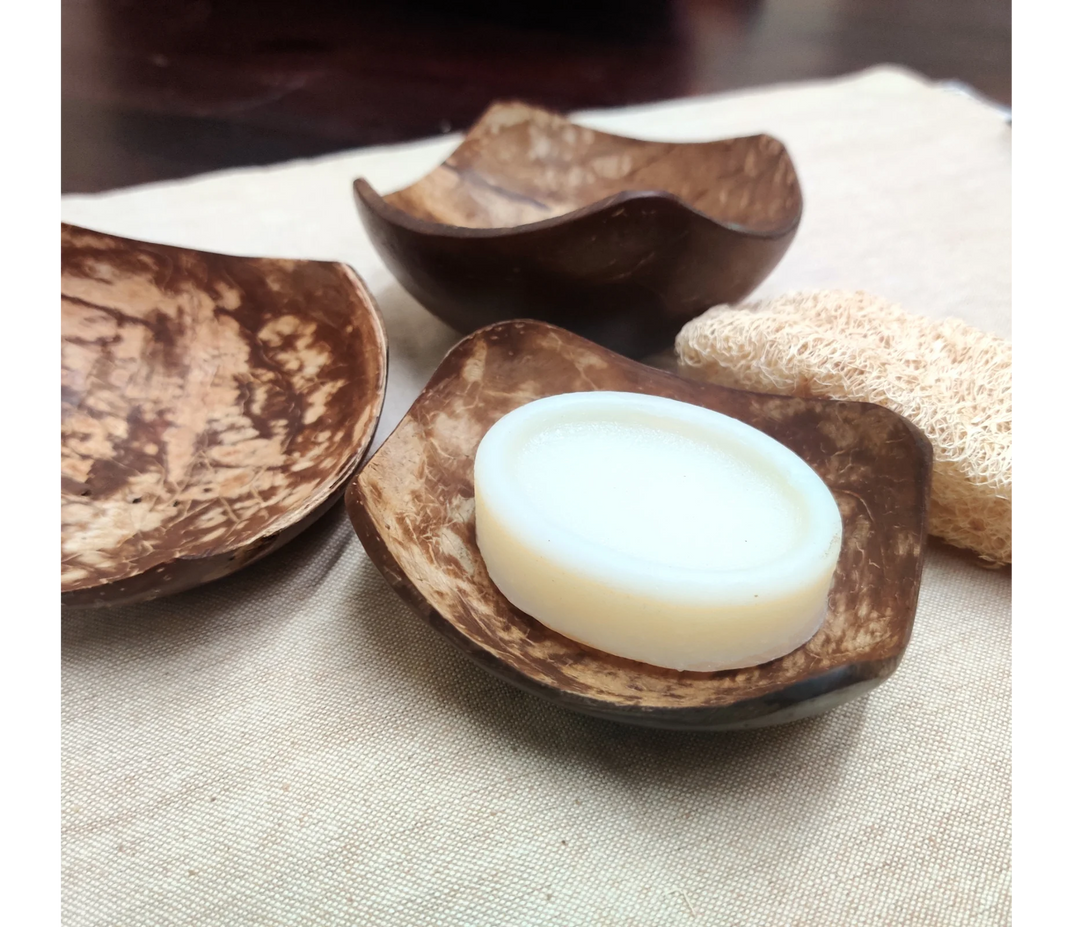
(520, 164)
(212, 407)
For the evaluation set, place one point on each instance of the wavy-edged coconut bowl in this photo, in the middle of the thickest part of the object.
(213, 407)
(412, 506)
(619, 240)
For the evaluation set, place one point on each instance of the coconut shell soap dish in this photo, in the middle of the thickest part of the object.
(213, 407)
(413, 506)
(619, 240)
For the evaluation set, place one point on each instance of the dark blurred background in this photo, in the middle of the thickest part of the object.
(156, 89)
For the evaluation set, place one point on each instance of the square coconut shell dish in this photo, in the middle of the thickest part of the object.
(412, 505)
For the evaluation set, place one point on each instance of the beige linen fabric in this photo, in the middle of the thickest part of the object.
(292, 745)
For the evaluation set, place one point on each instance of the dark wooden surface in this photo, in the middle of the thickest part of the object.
(156, 89)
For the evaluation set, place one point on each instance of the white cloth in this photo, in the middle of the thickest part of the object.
(293, 745)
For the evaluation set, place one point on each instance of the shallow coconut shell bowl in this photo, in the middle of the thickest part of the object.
(619, 240)
(213, 407)
(412, 506)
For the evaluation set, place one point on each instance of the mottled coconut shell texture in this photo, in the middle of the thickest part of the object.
(213, 406)
(949, 379)
(413, 508)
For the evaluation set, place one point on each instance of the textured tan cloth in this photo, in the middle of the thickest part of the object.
(293, 745)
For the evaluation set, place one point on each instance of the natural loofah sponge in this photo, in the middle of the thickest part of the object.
(951, 380)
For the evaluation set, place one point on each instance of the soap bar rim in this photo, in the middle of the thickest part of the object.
(671, 583)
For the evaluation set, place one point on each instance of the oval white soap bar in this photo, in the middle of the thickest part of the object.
(655, 530)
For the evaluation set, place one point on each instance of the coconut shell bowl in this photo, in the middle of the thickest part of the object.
(213, 407)
(619, 240)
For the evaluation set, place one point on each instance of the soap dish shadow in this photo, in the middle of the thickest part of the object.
(181, 620)
(421, 661)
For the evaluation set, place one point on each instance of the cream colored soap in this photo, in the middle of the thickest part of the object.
(655, 530)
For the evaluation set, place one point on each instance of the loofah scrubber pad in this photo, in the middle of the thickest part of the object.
(951, 380)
